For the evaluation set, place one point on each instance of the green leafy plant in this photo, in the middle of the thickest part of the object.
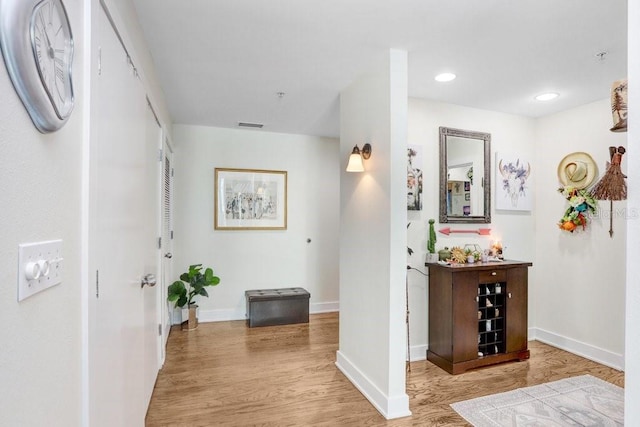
(431, 243)
(196, 281)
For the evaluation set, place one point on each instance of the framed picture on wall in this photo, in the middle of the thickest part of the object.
(250, 199)
(513, 182)
(414, 177)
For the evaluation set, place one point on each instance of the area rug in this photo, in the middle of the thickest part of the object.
(577, 401)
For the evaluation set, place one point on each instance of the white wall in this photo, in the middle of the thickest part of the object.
(372, 237)
(258, 259)
(632, 341)
(580, 277)
(509, 133)
(40, 195)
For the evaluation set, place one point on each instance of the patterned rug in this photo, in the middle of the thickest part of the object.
(577, 401)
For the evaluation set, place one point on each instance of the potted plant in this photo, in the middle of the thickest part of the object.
(432, 256)
(196, 281)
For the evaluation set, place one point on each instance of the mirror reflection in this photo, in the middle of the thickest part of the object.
(464, 176)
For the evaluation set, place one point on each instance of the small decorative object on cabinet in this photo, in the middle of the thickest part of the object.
(432, 256)
(444, 254)
(477, 314)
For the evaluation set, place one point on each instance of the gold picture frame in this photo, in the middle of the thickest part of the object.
(250, 199)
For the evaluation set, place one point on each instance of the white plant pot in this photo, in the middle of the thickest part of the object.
(432, 258)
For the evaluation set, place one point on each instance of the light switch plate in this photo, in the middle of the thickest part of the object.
(39, 267)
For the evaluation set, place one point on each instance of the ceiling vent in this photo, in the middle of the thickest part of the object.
(250, 125)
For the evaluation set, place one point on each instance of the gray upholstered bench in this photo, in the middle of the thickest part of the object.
(267, 307)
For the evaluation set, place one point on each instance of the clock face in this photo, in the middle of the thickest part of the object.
(52, 45)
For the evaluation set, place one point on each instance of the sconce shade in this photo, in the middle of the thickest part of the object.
(355, 159)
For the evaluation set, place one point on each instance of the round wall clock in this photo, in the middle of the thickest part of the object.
(37, 46)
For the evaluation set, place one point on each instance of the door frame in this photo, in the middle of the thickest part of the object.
(154, 161)
(166, 264)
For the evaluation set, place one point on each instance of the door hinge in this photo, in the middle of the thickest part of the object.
(160, 155)
(159, 242)
(160, 329)
(99, 61)
(97, 283)
(171, 234)
(171, 171)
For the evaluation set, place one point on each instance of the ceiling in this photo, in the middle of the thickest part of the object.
(220, 62)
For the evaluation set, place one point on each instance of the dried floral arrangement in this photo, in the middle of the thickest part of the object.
(581, 205)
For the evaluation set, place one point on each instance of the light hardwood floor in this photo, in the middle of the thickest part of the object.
(225, 373)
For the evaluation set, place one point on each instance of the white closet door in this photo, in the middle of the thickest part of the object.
(116, 234)
(151, 294)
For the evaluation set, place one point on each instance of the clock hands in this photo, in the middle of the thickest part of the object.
(52, 71)
(50, 51)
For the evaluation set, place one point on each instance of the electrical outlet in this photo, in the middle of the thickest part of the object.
(39, 267)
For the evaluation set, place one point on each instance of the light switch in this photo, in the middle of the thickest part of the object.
(39, 267)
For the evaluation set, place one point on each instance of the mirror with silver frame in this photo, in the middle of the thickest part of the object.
(465, 182)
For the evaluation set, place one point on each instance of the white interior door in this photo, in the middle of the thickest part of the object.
(151, 293)
(116, 234)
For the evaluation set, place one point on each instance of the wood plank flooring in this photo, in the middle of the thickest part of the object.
(224, 373)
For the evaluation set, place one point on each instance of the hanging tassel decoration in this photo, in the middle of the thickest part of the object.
(612, 186)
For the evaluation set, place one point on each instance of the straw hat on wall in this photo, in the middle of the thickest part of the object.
(577, 170)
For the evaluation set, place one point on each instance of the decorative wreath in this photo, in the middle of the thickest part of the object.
(581, 205)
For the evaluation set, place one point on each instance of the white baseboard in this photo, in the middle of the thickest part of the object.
(418, 352)
(221, 315)
(588, 351)
(324, 307)
(390, 407)
(239, 314)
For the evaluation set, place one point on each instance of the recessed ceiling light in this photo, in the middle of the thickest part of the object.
(546, 96)
(445, 77)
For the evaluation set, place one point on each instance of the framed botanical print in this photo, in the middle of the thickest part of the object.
(513, 182)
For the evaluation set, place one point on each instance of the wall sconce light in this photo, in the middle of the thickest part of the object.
(355, 159)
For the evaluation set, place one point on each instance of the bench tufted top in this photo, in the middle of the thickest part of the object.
(280, 293)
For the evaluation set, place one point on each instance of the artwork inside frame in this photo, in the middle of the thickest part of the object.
(414, 177)
(513, 182)
(250, 199)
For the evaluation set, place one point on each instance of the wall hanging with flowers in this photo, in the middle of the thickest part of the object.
(581, 206)
(576, 172)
